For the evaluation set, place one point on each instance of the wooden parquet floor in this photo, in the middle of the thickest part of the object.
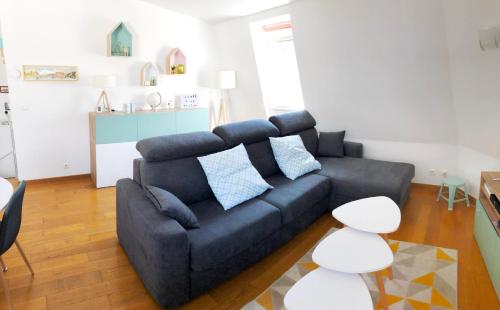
(68, 234)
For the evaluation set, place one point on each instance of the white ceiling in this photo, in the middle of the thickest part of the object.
(216, 11)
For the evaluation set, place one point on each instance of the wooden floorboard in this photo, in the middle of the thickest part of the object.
(68, 234)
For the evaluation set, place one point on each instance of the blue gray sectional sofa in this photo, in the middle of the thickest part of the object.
(176, 264)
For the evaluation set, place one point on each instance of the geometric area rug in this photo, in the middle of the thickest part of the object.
(424, 277)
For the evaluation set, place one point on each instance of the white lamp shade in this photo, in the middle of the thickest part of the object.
(226, 79)
(103, 81)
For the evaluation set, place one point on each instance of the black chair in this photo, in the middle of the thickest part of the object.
(9, 229)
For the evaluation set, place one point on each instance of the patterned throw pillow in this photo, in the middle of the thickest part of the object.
(232, 177)
(292, 157)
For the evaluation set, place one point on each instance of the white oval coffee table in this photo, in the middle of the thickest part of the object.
(379, 215)
(353, 251)
(324, 289)
(6, 191)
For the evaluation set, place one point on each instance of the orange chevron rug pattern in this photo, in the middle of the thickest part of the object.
(424, 278)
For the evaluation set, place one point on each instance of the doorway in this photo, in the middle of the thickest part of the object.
(7, 150)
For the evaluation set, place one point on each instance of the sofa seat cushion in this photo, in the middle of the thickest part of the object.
(294, 197)
(358, 178)
(224, 234)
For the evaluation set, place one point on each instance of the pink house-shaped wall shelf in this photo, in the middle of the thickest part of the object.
(176, 62)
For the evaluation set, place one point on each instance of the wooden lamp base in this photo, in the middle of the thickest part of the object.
(103, 98)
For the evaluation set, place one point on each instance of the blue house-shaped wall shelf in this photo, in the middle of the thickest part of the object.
(120, 41)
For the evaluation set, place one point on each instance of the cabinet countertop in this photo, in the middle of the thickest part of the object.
(139, 112)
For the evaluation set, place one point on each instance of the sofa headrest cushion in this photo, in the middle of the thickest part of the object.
(293, 122)
(247, 132)
(179, 146)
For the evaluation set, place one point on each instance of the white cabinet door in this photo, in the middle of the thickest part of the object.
(114, 161)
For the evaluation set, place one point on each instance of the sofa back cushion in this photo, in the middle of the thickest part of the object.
(170, 163)
(254, 135)
(300, 123)
(310, 139)
(262, 158)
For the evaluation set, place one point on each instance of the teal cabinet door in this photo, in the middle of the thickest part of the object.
(115, 128)
(489, 244)
(191, 120)
(155, 124)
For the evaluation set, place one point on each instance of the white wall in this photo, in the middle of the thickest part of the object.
(50, 118)
(455, 160)
(235, 51)
(475, 74)
(475, 85)
(441, 158)
(406, 78)
(470, 163)
(378, 69)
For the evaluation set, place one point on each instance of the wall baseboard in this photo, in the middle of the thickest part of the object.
(425, 185)
(58, 179)
(472, 198)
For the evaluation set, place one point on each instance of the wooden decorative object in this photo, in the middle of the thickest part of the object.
(222, 119)
(149, 75)
(120, 41)
(103, 101)
(176, 62)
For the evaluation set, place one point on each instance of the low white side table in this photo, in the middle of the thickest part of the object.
(6, 191)
(324, 289)
(353, 251)
(378, 215)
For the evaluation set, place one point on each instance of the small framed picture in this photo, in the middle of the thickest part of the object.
(4, 89)
(50, 73)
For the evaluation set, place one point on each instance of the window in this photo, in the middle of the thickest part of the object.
(277, 65)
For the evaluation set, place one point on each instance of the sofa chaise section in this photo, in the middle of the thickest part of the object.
(357, 178)
(352, 176)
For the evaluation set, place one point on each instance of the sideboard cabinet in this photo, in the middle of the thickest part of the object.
(113, 137)
(486, 229)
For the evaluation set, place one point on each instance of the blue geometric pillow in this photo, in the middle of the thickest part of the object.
(232, 177)
(292, 157)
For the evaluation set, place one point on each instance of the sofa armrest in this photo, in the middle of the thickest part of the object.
(157, 246)
(353, 149)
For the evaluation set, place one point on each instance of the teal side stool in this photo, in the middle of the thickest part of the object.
(453, 183)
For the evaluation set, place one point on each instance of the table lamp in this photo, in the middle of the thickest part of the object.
(225, 80)
(103, 82)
